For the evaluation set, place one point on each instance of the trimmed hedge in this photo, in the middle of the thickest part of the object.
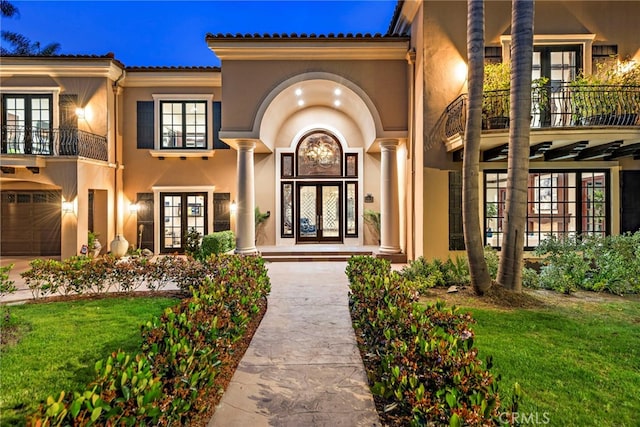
(217, 243)
(166, 382)
(420, 358)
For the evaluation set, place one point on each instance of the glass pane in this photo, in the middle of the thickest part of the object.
(287, 209)
(195, 213)
(172, 222)
(308, 219)
(352, 225)
(319, 155)
(331, 211)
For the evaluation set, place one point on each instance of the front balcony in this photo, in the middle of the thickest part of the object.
(18, 142)
(567, 123)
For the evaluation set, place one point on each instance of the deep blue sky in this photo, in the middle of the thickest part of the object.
(155, 33)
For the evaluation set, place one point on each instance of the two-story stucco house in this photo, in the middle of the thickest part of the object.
(318, 129)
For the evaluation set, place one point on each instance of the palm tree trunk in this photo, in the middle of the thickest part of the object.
(510, 269)
(480, 279)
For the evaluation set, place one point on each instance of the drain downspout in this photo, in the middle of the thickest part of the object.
(411, 60)
(116, 218)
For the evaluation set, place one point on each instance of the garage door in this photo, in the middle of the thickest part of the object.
(30, 223)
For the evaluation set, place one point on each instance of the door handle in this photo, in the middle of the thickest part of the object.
(320, 223)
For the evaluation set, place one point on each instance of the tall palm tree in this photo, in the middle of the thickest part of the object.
(480, 278)
(7, 9)
(23, 46)
(510, 269)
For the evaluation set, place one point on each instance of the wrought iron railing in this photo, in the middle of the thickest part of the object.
(54, 142)
(555, 105)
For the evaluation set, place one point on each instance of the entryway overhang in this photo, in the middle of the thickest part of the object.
(319, 90)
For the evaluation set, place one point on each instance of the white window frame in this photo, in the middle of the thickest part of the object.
(585, 40)
(158, 151)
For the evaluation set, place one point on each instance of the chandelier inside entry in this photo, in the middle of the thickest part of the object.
(319, 154)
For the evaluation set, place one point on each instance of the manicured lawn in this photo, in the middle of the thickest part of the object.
(59, 343)
(576, 360)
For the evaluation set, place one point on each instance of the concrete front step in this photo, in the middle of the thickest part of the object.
(312, 256)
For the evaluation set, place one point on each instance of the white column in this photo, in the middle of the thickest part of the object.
(245, 223)
(389, 203)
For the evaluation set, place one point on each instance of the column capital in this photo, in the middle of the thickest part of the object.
(390, 144)
(246, 144)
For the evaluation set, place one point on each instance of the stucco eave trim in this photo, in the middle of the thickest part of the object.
(60, 69)
(230, 50)
(173, 79)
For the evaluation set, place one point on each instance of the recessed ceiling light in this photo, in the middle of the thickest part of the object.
(298, 92)
(337, 91)
(300, 102)
(337, 102)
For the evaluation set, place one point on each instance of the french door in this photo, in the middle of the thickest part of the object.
(319, 210)
(180, 212)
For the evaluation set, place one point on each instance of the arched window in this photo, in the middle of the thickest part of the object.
(319, 154)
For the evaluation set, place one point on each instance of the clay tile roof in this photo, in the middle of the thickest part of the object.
(256, 36)
(396, 16)
(109, 55)
(172, 68)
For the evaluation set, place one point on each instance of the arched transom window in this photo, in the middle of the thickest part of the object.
(319, 154)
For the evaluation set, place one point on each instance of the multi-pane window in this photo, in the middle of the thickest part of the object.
(181, 213)
(26, 124)
(560, 64)
(183, 124)
(559, 203)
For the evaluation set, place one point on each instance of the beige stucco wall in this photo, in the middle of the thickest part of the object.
(444, 49)
(142, 171)
(74, 178)
(247, 83)
(612, 22)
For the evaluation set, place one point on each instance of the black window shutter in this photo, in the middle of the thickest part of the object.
(217, 124)
(145, 125)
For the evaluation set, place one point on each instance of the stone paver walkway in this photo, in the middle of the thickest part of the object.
(303, 367)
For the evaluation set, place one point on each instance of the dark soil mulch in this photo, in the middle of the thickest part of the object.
(229, 367)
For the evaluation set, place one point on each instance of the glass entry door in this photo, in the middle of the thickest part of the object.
(180, 213)
(319, 207)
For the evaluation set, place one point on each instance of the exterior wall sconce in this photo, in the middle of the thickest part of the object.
(80, 113)
(67, 207)
(233, 208)
(133, 208)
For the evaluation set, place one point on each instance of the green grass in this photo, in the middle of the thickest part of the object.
(579, 363)
(59, 344)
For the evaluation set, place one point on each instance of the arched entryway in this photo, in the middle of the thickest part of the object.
(319, 190)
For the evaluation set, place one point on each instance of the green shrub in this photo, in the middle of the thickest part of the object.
(530, 278)
(610, 264)
(6, 286)
(492, 257)
(420, 359)
(167, 382)
(192, 244)
(424, 274)
(218, 243)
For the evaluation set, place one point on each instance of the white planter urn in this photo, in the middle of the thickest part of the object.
(119, 246)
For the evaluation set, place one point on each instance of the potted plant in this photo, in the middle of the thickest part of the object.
(93, 244)
(495, 102)
(260, 219)
(609, 96)
(372, 219)
(495, 99)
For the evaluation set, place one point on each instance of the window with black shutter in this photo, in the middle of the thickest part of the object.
(217, 124)
(145, 125)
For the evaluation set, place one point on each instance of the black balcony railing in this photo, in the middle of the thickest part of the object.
(54, 142)
(555, 105)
